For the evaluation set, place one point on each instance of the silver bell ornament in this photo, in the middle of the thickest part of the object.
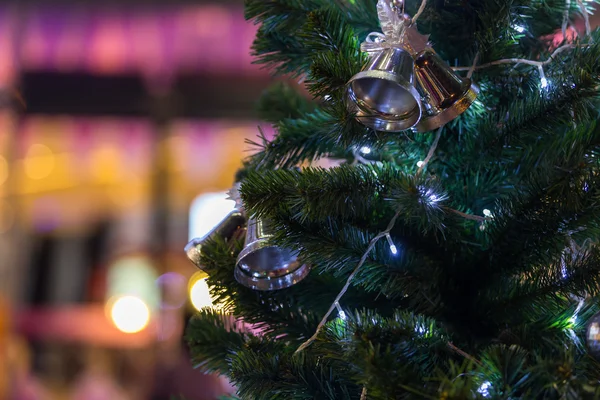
(229, 227)
(264, 266)
(445, 95)
(592, 336)
(383, 96)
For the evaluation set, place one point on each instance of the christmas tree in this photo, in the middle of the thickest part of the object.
(453, 251)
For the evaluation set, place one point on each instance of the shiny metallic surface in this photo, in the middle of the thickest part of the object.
(383, 96)
(262, 266)
(445, 94)
(226, 229)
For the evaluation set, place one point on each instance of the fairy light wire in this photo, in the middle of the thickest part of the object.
(419, 12)
(431, 152)
(520, 60)
(586, 17)
(341, 294)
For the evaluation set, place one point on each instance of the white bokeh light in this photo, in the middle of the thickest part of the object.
(130, 314)
(484, 389)
(200, 295)
(207, 211)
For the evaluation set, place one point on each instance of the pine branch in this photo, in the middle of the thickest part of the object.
(348, 193)
(388, 353)
(309, 137)
(282, 101)
(266, 371)
(293, 313)
(213, 338)
(535, 228)
(337, 57)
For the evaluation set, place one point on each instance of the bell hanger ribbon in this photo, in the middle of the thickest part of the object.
(234, 194)
(397, 31)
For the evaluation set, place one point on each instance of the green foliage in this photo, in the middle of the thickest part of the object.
(469, 308)
(282, 101)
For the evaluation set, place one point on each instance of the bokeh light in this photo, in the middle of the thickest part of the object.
(130, 314)
(207, 211)
(173, 289)
(133, 275)
(105, 164)
(199, 293)
(3, 170)
(7, 216)
(39, 161)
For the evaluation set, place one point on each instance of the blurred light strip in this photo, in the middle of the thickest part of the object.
(198, 38)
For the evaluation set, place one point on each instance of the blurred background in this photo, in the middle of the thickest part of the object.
(122, 127)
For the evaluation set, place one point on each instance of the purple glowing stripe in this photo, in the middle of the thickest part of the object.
(211, 38)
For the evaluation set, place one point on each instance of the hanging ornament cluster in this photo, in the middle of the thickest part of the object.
(405, 84)
(260, 265)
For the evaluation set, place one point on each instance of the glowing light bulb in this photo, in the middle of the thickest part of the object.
(341, 312)
(544, 82)
(393, 247)
(484, 389)
(130, 314)
(487, 213)
(365, 150)
(420, 164)
(207, 211)
(573, 319)
(200, 295)
(519, 28)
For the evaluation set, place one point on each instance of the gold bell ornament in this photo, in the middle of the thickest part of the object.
(264, 266)
(445, 94)
(383, 96)
(405, 84)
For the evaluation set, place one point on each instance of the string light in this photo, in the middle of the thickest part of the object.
(573, 319)
(429, 194)
(543, 80)
(519, 28)
(539, 64)
(365, 150)
(393, 247)
(487, 213)
(563, 269)
(573, 322)
(341, 312)
(420, 164)
(420, 329)
(484, 389)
